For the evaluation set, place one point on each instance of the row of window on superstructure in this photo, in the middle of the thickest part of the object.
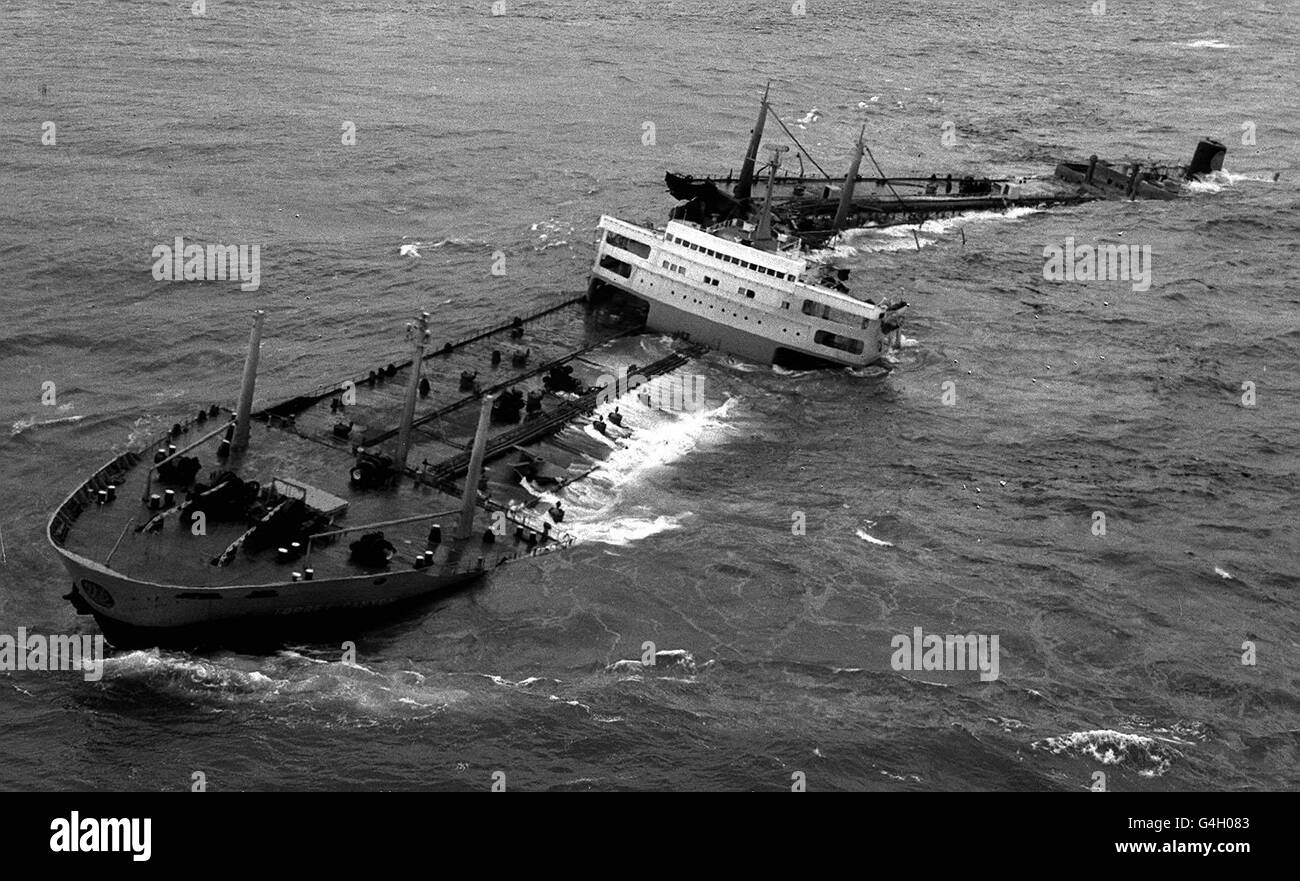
(641, 249)
(830, 313)
(718, 255)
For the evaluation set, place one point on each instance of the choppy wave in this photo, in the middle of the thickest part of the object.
(665, 661)
(1146, 756)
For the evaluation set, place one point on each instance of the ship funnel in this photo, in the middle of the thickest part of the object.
(470, 498)
(1207, 158)
(244, 412)
(746, 183)
(850, 179)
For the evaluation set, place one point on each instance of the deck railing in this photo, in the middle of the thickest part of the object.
(320, 392)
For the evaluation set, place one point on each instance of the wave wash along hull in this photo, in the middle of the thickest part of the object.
(314, 521)
(721, 293)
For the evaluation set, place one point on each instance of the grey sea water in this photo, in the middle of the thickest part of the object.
(963, 508)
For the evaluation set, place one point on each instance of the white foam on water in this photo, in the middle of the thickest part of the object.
(789, 371)
(1146, 754)
(188, 672)
(880, 368)
(552, 233)
(595, 435)
(669, 659)
(287, 679)
(877, 240)
(298, 656)
(35, 422)
(1207, 44)
(904, 778)
(544, 495)
(621, 531)
(510, 683)
(142, 430)
(734, 363)
(873, 240)
(809, 118)
(659, 437)
(948, 224)
(596, 506)
(927, 682)
(1217, 181)
(865, 536)
(1233, 177)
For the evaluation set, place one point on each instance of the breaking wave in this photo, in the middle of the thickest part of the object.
(900, 238)
(669, 660)
(598, 505)
(30, 422)
(287, 679)
(1207, 44)
(1147, 756)
(865, 536)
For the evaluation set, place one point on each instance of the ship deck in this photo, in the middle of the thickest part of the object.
(294, 442)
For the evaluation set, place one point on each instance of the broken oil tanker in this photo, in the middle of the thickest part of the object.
(320, 519)
(815, 207)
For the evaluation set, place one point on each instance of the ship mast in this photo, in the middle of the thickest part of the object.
(850, 179)
(244, 412)
(746, 182)
(763, 239)
(470, 498)
(239, 429)
(420, 331)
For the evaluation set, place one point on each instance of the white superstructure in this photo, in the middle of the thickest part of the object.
(715, 290)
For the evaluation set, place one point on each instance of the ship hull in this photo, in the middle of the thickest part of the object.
(133, 613)
(666, 318)
(662, 317)
(1107, 182)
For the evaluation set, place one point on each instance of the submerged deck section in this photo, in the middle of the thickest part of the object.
(551, 363)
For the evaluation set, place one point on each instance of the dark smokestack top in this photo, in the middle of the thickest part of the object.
(1207, 158)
